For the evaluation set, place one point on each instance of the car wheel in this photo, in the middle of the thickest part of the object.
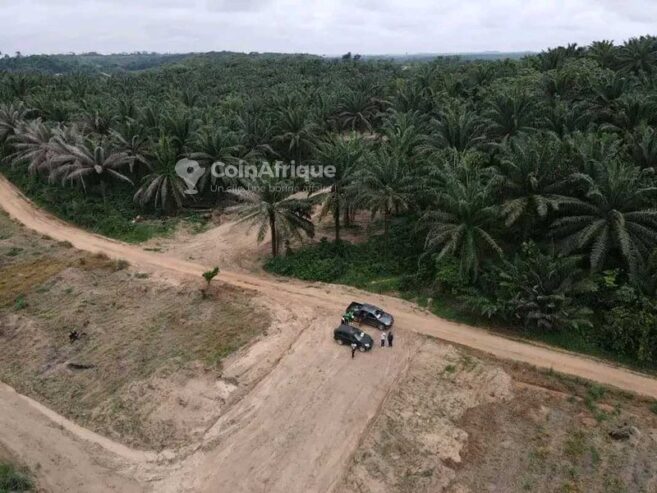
(362, 349)
(339, 341)
(382, 327)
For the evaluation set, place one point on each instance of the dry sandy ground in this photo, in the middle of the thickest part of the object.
(309, 406)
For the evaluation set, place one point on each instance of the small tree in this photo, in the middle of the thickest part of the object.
(209, 276)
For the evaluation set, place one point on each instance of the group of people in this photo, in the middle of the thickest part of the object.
(387, 337)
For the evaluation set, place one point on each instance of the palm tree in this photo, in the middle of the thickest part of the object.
(132, 140)
(32, 144)
(564, 118)
(403, 134)
(604, 52)
(357, 111)
(98, 122)
(268, 205)
(531, 179)
(510, 113)
(12, 117)
(296, 132)
(162, 187)
(456, 128)
(383, 186)
(216, 145)
(180, 127)
(345, 156)
(628, 112)
(638, 55)
(644, 147)
(463, 221)
(89, 162)
(255, 132)
(613, 217)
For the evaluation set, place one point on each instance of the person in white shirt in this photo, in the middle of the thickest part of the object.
(383, 339)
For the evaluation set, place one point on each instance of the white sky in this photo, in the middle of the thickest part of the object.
(316, 26)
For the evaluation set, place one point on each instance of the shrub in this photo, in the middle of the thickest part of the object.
(537, 290)
(11, 480)
(630, 327)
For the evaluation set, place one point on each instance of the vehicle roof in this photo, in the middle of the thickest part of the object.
(348, 328)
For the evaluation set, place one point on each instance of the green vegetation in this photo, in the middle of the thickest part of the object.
(113, 217)
(209, 276)
(13, 481)
(522, 192)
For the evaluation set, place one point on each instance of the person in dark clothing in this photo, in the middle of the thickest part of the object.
(390, 338)
(353, 349)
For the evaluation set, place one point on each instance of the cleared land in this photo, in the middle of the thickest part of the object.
(145, 368)
(290, 411)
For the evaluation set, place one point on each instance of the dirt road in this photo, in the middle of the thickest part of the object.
(296, 429)
(407, 315)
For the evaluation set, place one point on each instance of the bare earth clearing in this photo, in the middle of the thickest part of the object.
(290, 411)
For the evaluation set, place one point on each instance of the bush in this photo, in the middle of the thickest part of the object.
(378, 265)
(536, 290)
(630, 327)
(11, 480)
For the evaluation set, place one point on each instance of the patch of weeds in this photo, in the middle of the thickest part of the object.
(653, 407)
(20, 303)
(12, 480)
(615, 485)
(468, 362)
(449, 369)
(142, 275)
(537, 459)
(575, 446)
(596, 392)
(14, 251)
(65, 244)
(120, 265)
(595, 455)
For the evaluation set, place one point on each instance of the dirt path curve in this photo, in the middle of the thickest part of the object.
(328, 296)
(66, 462)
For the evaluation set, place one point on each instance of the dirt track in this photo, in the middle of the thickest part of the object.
(296, 429)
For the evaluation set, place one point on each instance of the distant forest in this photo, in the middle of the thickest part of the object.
(94, 62)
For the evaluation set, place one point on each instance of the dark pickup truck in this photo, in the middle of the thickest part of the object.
(371, 315)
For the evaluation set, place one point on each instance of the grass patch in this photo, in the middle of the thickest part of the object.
(16, 280)
(12, 480)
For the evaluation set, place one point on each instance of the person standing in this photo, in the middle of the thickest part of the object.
(383, 339)
(353, 349)
(390, 338)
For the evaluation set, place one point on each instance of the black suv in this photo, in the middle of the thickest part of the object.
(371, 315)
(346, 334)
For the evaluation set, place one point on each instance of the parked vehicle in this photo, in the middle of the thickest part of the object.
(347, 334)
(371, 315)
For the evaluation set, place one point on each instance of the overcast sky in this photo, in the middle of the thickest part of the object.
(316, 26)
